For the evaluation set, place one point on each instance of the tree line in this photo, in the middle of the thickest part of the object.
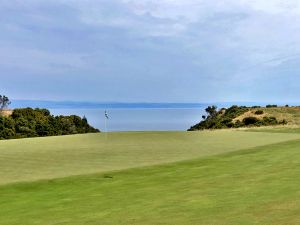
(28, 122)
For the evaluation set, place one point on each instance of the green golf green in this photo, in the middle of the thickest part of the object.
(224, 177)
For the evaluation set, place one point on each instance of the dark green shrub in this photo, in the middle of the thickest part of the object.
(30, 122)
(269, 121)
(250, 120)
(235, 111)
(283, 122)
(7, 133)
(271, 106)
(259, 112)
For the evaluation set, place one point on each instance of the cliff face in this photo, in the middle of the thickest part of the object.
(6, 112)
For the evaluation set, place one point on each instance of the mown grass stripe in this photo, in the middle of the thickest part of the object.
(254, 186)
(52, 157)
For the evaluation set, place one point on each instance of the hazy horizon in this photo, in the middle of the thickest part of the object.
(130, 105)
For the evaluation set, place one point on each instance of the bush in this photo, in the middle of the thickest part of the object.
(235, 111)
(30, 122)
(7, 133)
(271, 106)
(250, 120)
(283, 122)
(259, 112)
(269, 121)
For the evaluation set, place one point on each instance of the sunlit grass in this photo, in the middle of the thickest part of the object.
(52, 157)
(255, 186)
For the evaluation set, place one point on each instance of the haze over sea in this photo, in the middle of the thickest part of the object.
(131, 116)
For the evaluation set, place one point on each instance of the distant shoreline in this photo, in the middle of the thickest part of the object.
(122, 105)
(99, 105)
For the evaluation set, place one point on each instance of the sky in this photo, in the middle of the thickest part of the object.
(150, 50)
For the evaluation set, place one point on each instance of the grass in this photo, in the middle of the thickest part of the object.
(289, 114)
(52, 157)
(275, 129)
(228, 177)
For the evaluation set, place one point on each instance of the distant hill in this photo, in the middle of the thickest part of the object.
(241, 116)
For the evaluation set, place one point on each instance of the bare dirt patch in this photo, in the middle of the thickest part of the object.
(6, 112)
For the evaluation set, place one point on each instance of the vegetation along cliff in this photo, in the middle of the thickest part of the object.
(242, 116)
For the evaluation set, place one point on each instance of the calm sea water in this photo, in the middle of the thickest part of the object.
(138, 119)
(131, 116)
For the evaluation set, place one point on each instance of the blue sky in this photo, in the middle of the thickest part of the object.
(150, 51)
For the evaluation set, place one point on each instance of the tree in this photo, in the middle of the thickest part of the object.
(4, 102)
(211, 111)
(28, 122)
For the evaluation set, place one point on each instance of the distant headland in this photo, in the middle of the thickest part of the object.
(243, 116)
(29, 122)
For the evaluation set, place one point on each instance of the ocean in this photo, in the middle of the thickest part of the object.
(131, 116)
(138, 119)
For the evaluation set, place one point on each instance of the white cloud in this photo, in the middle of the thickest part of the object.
(36, 61)
(212, 42)
(274, 6)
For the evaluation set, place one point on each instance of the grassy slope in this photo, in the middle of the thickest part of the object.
(290, 114)
(52, 157)
(255, 186)
(275, 129)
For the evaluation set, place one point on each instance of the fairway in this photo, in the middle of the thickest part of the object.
(53, 157)
(220, 177)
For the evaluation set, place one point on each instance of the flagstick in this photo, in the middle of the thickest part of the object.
(106, 120)
(105, 128)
